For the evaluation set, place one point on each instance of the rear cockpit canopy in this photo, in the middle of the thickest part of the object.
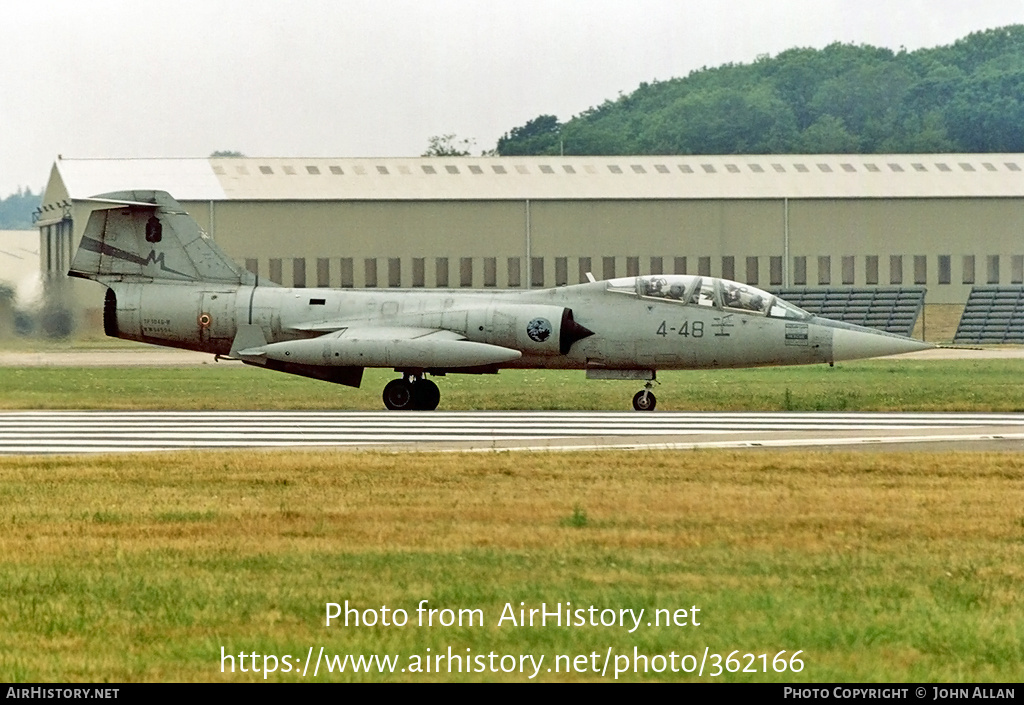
(712, 292)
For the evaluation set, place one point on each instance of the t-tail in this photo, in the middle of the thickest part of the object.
(142, 236)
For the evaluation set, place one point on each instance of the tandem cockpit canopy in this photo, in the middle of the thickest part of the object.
(708, 291)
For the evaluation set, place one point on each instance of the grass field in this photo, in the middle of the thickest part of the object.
(878, 567)
(875, 566)
(872, 385)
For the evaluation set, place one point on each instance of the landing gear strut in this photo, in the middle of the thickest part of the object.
(411, 392)
(644, 399)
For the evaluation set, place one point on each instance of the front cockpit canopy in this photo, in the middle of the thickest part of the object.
(713, 292)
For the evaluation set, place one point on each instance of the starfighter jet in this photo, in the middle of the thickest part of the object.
(169, 284)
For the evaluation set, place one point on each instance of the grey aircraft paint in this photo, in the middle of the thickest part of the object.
(169, 284)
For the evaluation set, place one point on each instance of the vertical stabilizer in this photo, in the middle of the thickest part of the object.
(147, 235)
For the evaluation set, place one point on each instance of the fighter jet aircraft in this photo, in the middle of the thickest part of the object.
(169, 284)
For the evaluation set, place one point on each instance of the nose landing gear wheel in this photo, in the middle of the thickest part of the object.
(644, 400)
(398, 395)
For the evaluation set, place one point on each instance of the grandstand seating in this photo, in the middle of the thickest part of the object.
(994, 314)
(892, 309)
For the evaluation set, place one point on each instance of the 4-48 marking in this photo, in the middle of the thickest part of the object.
(696, 329)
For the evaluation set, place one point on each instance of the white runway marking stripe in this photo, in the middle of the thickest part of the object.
(120, 431)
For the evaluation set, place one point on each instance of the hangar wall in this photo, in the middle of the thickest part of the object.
(945, 245)
(270, 237)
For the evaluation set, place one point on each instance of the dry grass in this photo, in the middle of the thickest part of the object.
(378, 499)
(938, 322)
(880, 567)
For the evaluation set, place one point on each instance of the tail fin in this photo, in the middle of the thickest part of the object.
(147, 235)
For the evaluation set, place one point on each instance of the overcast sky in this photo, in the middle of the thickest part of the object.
(134, 78)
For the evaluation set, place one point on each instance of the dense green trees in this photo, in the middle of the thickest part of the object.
(16, 210)
(538, 136)
(966, 97)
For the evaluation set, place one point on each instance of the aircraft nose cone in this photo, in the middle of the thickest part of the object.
(859, 343)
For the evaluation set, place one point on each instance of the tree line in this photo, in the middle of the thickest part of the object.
(16, 210)
(964, 97)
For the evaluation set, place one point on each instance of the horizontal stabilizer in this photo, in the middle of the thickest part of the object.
(120, 203)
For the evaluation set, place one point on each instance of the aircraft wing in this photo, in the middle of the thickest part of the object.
(319, 327)
(399, 347)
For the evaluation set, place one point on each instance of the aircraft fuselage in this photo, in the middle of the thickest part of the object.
(630, 331)
(169, 284)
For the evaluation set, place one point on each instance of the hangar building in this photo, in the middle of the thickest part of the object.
(943, 221)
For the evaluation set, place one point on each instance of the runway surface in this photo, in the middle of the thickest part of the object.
(48, 432)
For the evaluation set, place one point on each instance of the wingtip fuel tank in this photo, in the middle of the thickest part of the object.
(399, 348)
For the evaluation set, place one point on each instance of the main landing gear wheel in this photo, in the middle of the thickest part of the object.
(425, 395)
(404, 395)
(398, 395)
(644, 400)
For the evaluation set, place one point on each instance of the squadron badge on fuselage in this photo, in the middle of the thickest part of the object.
(539, 329)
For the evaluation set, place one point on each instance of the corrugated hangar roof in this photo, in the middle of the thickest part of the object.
(555, 178)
